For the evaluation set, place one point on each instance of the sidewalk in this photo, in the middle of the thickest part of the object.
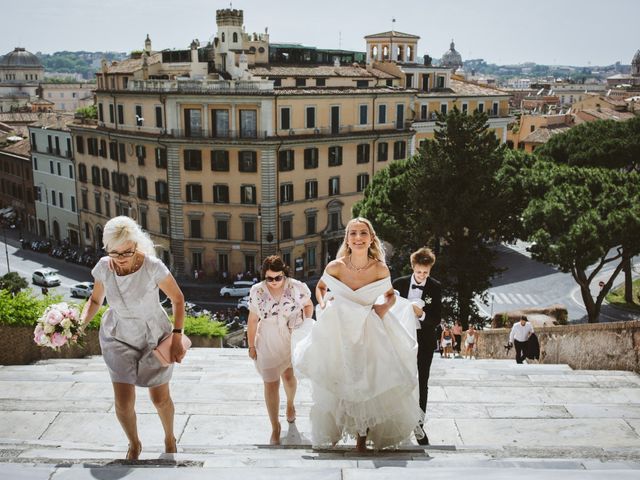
(486, 418)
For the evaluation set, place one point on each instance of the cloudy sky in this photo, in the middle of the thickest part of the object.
(562, 32)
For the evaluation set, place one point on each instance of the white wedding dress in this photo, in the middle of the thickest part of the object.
(362, 368)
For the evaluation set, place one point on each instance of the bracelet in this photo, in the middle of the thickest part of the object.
(178, 330)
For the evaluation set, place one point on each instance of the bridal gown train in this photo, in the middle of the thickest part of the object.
(362, 368)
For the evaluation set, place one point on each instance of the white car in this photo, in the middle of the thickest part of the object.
(82, 290)
(47, 277)
(243, 303)
(239, 288)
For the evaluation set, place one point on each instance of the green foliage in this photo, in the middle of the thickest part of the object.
(450, 195)
(616, 297)
(23, 309)
(13, 282)
(90, 111)
(204, 327)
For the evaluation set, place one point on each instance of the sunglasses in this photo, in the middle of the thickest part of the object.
(127, 254)
(277, 278)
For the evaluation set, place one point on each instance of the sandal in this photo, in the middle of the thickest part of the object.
(130, 452)
(276, 440)
(292, 419)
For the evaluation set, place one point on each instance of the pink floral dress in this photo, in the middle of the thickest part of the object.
(276, 319)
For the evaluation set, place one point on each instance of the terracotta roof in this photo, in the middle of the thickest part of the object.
(466, 89)
(131, 65)
(318, 71)
(391, 33)
(22, 148)
(603, 114)
(543, 134)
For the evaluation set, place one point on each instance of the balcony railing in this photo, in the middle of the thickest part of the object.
(229, 135)
(201, 86)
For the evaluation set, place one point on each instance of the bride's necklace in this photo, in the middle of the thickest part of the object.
(358, 269)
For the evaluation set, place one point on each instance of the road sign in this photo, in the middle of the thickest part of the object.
(601, 284)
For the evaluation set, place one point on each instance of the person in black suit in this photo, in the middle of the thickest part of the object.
(421, 287)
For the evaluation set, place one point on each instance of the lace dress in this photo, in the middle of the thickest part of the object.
(363, 368)
(276, 320)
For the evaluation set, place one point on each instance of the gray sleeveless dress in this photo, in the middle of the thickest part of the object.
(134, 324)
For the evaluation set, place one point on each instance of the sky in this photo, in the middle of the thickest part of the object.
(553, 32)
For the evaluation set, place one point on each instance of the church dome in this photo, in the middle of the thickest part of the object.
(451, 58)
(20, 58)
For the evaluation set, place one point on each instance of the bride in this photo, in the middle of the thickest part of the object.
(361, 353)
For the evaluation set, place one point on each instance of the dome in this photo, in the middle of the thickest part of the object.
(20, 58)
(451, 58)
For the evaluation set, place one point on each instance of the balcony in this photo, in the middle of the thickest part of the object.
(201, 86)
(229, 135)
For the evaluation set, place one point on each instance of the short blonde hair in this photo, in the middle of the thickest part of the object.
(376, 250)
(124, 229)
(423, 256)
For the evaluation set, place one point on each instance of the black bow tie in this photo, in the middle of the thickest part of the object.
(421, 287)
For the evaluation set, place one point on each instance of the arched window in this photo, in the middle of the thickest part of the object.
(222, 37)
(409, 53)
(56, 230)
(235, 37)
(385, 53)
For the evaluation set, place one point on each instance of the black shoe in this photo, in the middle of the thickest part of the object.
(424, 440)
(421, 435)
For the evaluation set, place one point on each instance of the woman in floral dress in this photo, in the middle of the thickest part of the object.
(277, 305)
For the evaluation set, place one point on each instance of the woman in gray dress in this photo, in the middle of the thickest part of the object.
(134, 324)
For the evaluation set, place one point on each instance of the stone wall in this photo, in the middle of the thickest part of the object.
(18, 348)
(599, 346)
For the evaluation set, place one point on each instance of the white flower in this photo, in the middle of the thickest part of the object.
(66, 323)
(427, 301)
(49, 328)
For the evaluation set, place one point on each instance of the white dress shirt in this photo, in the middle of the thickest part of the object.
(519, 332)
(416, 294)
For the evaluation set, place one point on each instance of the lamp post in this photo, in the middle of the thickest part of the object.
(6, 248)
(260, 232)
(46, 198)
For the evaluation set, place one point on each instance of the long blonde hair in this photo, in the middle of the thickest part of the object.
(123, 229)
(376, 250)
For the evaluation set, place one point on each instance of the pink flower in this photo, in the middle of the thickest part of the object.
(54, 317)
(58, 340)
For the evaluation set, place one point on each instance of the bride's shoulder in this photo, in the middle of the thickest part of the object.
(334, 267)
(381, 269)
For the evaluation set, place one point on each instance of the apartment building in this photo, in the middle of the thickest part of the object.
(240, 149)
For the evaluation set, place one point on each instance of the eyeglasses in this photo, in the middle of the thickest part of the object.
(127, 254)
(277, 278)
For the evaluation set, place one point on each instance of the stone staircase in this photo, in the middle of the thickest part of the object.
(485, 419)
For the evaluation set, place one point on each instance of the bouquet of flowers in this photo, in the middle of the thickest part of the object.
(59, 325)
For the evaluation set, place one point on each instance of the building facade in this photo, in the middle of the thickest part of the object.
(16, 185)
(54, 180)
(225, 154)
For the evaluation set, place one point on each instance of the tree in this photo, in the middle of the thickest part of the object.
(605, 144)
(90, 111)
(13, 282)
(449, 195)
(579, 217)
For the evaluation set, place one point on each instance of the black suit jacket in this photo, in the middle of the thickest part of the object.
(432, 296)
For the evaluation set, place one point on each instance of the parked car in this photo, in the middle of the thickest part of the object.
(82, 290)
(243, 303)
(239, 288)
(47, 277)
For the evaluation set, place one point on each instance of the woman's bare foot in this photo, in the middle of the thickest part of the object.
(171, 445)
(133, 453)
(291, 414)
(275, 436)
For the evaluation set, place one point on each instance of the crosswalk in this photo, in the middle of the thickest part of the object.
(518, 299)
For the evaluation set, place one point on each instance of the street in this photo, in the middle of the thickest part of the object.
(525, 283)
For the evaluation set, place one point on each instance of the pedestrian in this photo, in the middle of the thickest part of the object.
(134, 324)
(457, 335)
(519, 337)
(470, 342)
(422, 286)
(277, 305)
(439, 330)
(447, 341)
(45, 291)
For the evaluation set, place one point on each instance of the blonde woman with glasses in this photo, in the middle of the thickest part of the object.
(277, 305)
(129, 276)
